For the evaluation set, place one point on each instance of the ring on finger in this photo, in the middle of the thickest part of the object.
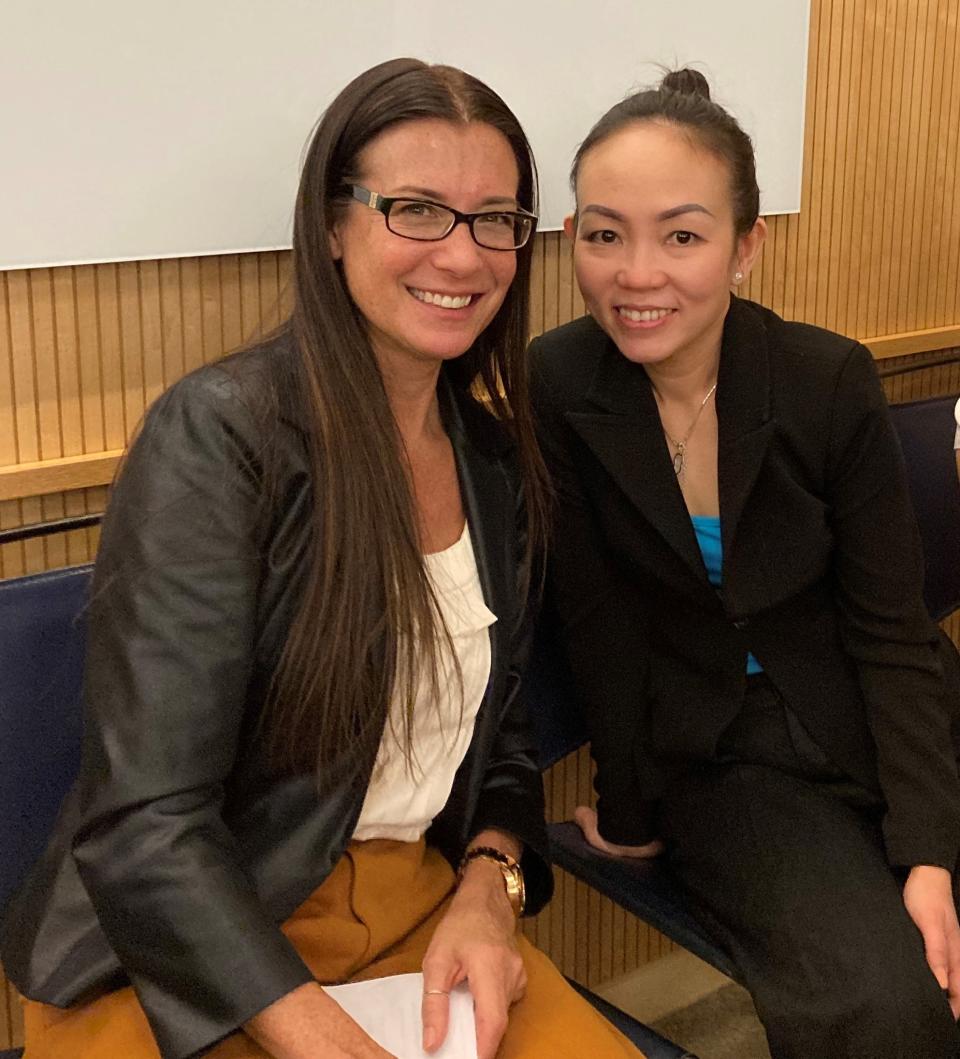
(436, 992)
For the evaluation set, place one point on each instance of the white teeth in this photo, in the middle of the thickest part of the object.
(643, 315)
(445, 301)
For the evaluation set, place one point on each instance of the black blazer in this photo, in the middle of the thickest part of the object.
(177, 855)
(822, 572)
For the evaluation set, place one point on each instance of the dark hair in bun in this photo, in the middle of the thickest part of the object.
(689, 82)
(683, 99)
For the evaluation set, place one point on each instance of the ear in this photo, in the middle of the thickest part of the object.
(570, 226)
(749, 247)
(333, 236)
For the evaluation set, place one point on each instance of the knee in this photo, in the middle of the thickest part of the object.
(904, 1021)
(879, 1015)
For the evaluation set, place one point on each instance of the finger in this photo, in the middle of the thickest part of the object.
(953, 961)
(490, 1009)
(519, 990)
(587, 819)
(435, 1004)
(935, 948)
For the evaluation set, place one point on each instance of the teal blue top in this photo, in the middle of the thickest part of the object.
(707, 529)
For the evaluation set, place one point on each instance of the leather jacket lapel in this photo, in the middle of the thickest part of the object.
(489, 506)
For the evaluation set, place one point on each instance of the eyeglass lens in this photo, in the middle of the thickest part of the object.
(425, 220)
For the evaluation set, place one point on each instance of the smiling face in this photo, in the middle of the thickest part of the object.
(425, 302)
(655, 249)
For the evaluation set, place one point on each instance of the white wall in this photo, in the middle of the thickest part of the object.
(139, 130)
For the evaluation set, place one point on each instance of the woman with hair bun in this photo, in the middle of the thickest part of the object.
(737, 575)
(306, 758)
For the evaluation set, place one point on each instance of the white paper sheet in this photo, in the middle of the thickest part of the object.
(389, 1010)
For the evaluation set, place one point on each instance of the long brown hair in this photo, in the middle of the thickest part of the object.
(368, 625)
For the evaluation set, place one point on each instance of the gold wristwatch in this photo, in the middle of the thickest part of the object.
(509, 869)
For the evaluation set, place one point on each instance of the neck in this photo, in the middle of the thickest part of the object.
(686, 381)
(412, 393)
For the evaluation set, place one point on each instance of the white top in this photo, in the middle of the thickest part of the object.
(401, 802)
(956, 413)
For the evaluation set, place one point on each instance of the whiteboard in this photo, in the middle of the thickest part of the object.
(135, 130)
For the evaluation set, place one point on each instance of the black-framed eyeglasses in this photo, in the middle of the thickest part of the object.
(431, 221)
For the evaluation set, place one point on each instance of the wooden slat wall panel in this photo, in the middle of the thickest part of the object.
(874, 251)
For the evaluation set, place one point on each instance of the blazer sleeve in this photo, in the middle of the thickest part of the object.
(885, 626)
(601, 626)
(170, 649)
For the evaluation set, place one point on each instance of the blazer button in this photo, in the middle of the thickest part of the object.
(741, 623)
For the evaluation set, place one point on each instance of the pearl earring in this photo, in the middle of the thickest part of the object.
(737, 276)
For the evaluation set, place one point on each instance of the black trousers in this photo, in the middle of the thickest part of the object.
(784, 863)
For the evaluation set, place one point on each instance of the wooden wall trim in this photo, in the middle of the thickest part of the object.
(908, 342)
(43, 477)
(61, 475)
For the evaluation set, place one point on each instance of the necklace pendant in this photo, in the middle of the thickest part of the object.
(678, 461)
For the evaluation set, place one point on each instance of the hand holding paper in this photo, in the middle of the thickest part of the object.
(388, 1009)
(475, 943)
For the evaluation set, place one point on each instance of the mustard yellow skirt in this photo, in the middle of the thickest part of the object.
(350, 928)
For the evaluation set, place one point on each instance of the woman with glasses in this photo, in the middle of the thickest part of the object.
(306, 759)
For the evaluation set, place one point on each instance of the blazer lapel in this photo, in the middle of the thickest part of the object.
(627, 438)
(743, 414)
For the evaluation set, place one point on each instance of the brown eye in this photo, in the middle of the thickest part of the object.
(683, 238)
(601, 235)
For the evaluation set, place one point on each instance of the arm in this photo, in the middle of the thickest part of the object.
(476, 942)
(956, 440)
(170, 656)
(601, 621)
(476, 939)
(885, 627)
(888, 632)
(307, 1023)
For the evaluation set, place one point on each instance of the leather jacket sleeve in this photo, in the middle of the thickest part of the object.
(511, 794)
(171, 634)
(499, 784)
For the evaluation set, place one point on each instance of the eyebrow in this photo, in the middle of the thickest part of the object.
(687, 207)
(603, 211)
(666, 215)
(435, 196)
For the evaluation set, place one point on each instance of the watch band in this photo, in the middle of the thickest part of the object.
(510, 870)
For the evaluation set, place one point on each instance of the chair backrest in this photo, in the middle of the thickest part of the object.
(42, 637)
(926, 430)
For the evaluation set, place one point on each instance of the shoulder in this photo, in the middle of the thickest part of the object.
(800, 348)
(237, 384)
(563, 361)
(569, 344)
(245, 396)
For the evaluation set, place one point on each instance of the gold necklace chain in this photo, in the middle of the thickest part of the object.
(681, 446)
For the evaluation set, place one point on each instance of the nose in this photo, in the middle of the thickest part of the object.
(458, 252)
(641, 268)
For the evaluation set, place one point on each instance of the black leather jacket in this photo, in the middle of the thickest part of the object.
(176, 856)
